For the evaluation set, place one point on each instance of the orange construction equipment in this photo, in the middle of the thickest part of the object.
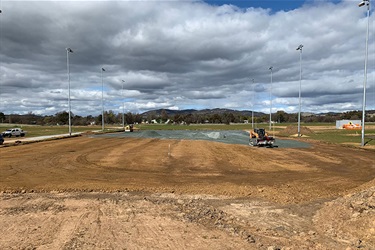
(352, 126)
(259, 137)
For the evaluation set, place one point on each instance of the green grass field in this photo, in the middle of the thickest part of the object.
(343, 136)
(322, 131)
(33, 130)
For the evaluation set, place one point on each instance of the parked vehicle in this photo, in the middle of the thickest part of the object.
(14, 132)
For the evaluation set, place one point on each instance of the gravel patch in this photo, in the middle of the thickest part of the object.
(224, 136)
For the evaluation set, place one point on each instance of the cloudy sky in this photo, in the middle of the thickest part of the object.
(182, 54)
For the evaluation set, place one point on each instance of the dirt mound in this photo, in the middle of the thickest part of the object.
(292, 130)
(350, 219)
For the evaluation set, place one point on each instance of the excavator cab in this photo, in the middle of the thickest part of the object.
(261, 132)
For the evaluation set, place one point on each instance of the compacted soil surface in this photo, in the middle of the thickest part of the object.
(133, 193)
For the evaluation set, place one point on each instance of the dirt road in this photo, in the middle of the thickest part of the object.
(131, 193)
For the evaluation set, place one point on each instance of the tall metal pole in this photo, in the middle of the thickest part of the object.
(299, 95)
(271, 68)
(252, 110)
(102, 101)
(123, 106)
(0, 64)
(367, 3)
(68, 50)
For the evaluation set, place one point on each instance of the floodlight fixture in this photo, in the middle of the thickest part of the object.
(363, 3)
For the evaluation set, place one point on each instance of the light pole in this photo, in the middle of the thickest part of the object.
(271, 68)
(367, 3)
(69, 50)
(0, 31)
(123, 107)
(299, 94)
(102, 101)
(252, 110)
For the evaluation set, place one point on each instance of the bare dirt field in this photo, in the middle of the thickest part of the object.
(132, 193)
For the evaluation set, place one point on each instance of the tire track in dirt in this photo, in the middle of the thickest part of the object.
(68, 231)
(199, 162)
(111, 144)
(138, 156)
(119, 154)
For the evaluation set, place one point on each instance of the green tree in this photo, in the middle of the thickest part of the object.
(164, 116)
(177, 118)
(129, 118)
(109, 117)
(227, 118)
(281, 116)
(188, 119)
(2, 117)
(98, 119)
(62, 118)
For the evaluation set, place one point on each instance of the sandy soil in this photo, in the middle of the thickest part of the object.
(130, 193)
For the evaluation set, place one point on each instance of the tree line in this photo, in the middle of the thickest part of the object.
(110, 117)
(62, 118)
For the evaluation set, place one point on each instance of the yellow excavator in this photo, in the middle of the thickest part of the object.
(129, 128)
(259, 137)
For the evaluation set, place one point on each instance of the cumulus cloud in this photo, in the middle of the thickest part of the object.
(182, 54)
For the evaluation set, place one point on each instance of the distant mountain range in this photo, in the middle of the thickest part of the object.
(171, 112)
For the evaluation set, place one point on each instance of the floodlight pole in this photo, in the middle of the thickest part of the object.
(69, 50)
(271, 68)
(299, 95)
(102, 101)
(123, 106)
(367, 3)
(0, 65)
(252, 110)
